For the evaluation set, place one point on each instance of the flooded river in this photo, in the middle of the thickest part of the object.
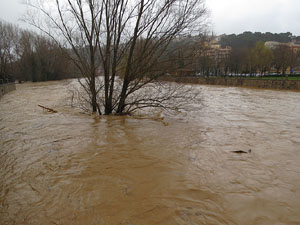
(69, 168)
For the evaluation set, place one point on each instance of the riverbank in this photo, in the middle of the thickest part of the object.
(5, 88)
(238, 82)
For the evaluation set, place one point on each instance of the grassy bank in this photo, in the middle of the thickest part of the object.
(267, 77)
(256, 82)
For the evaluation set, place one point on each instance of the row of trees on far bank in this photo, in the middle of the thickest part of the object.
(27, 56)
(208, 55)
(257, 59)
(261, 59)
(250, 55)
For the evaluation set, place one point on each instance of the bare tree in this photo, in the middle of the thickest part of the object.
(38, 58)
(8, 40)
(74, 25)
(237, 61)
(25, 53)
(261, 58)
(284, 57)
(125, 40)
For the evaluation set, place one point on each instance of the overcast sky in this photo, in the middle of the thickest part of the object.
(10, 10)
(226, 16)
(237, 16)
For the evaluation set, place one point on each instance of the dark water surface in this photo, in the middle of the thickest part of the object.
(70, 168)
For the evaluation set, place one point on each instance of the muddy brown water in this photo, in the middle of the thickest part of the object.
(69, 168)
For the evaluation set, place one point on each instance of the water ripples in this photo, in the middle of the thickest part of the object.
(70, 168)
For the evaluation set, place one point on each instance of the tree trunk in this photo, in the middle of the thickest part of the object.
(93, 94)
(121, 105)
(126, 80)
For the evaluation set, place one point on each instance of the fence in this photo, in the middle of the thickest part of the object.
(6, 85)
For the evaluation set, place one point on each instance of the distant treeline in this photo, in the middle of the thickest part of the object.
(249, 55)
(249, 39)
(27, 56)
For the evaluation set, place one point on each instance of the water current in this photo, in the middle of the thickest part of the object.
(70, 168)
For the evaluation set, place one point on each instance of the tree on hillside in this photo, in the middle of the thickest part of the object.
(249, 39)
(124, 40)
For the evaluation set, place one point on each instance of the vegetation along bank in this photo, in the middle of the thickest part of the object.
(239, 82)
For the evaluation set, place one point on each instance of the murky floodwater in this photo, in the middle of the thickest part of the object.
(69, 168)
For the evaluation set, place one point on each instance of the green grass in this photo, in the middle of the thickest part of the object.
(267, 77)
(271, 78)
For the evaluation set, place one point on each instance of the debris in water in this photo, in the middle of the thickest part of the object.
(48, 109)
(241, 151)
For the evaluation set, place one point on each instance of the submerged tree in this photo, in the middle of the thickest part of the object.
(124, 40)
